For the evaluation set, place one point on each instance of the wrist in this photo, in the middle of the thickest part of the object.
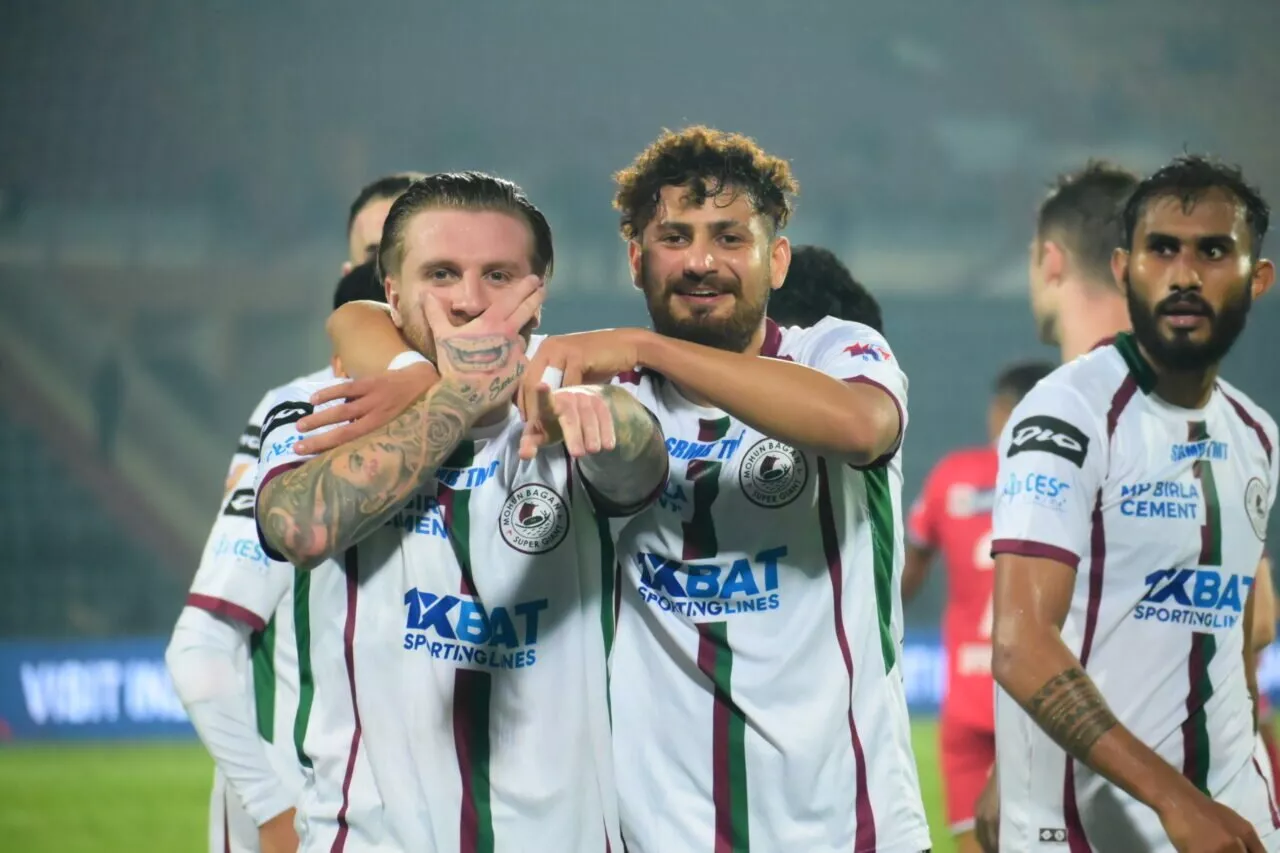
(649, 348)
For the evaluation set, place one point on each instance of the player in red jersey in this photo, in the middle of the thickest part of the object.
(952, 516)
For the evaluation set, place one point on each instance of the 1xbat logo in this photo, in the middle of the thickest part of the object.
(1049, 435)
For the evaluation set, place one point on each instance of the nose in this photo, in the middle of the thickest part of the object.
(469, 299)
(699, 260)
(1184, 274)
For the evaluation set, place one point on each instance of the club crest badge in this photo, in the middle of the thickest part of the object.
(773, 474)
(534, 519)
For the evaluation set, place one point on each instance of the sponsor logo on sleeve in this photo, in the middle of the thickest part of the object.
(284, 414)
(772, 474)
(1035, 488)
(240, 504)
(868, 352)
(1048, 434)
(1255, 506)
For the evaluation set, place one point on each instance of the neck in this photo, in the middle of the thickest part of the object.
(1096, 315)
(1189, 389)
(754, 348)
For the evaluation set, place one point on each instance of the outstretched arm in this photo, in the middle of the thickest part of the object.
(617, 442)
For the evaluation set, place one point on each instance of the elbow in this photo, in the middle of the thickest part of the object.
(1264, 634)
(871, 438)
(1008, 651)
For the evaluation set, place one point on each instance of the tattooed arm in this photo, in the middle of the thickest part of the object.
(617, 442)
(334, 500)
(630, 474)
(1034, 666)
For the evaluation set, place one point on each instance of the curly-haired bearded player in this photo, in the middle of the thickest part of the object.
(756, 695)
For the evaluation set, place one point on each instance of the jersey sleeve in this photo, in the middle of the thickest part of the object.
(236, 579)
(1052, 463)
(246, 456)
(925, 512)
(854, 353)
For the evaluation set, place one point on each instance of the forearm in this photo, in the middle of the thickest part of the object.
(333, 501)
(637, 465)
(915, 570)
(204, 658)
(364, 338)
(790, 402)
(1047, 680)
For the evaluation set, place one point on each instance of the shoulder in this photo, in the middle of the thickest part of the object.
(1246, 408)
(292, 402)
(829, 334)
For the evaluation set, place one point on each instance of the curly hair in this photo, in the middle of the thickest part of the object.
(708, 162)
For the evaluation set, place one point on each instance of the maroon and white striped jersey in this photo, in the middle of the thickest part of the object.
(758, 700)
(1162, 511)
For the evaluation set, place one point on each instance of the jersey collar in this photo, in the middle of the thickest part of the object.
(1139, 369)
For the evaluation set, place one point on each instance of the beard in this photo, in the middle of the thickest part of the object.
(732, 333)
(1175, 350)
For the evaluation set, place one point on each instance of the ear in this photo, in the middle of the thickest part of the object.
(1052, 263)
(1264, 275)
(634, 252)
(393, 301)
(1120, 267)
(347, 267)
(537, 318)
(780, 255)
(336, 364)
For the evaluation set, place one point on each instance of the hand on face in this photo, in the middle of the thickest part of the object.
(486, 352)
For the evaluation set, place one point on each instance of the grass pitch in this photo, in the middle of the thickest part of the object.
(154, 797)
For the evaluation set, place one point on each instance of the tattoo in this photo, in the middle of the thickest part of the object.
(630, 472)
(1071, 711)
(477, 353)
(333, 501)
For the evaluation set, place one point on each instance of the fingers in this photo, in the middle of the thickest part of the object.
(527, 396)
(342, 390)
(323, 442)
(434, 312)
(585, 421)
(340, 414)
(530, 441)
(527, 308)
(1252, 843)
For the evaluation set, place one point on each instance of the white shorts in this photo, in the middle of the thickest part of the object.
(231, 830)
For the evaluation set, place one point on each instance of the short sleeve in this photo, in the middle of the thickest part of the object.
(854, 353)
(280, 437)
(922, 519)
(1052, 463)
(246, 456)
(236, 579)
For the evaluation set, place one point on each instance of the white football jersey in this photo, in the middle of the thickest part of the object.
(470, 632)
(757, 692)
(1162, 511)
(236, 580)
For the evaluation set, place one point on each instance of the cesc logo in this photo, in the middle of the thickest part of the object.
(1042, 489)
(247, 550)
(1201, 598)
(460, 629)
